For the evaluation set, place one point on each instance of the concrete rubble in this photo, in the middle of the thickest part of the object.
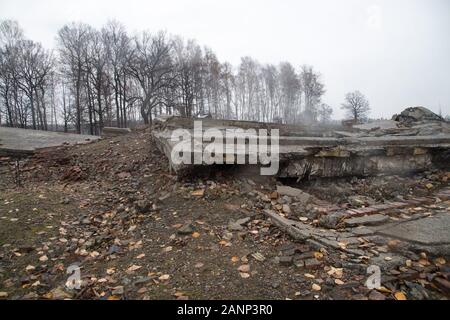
(236, 234)
(424, 230)
(394, 234)
(415, 142)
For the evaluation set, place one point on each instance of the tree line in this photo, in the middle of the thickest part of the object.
(107, 77)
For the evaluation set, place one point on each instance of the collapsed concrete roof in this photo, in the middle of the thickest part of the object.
(316, 151)
(415, 114)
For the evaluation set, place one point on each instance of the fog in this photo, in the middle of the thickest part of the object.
(395, 52)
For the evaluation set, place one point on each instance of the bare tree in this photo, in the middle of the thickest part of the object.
(106, 77)
(356, 105)
(248, 86)
(10, 36)
(188, 60)
(72, 42)
(25, 72)
(151, 66)
(290, 93)
(272, 94)
(324, 112)
(313, 90)
(118, 46)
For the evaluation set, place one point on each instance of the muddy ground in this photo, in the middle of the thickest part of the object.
(137, 232)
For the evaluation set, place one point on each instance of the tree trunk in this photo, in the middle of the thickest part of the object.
(144, 115)
(100, 111)
(33, 114)
(117, 103)
(78, 100)
(124, 101)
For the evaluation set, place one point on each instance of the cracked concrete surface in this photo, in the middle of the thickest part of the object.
(433, 230)
(16, 141)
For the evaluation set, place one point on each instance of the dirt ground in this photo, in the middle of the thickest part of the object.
(137, 232)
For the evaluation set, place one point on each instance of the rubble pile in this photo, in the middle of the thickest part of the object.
(387, 147)
(414, 121)
(137, 231)
(416, 114)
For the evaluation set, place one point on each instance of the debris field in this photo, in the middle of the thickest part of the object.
(138, 231)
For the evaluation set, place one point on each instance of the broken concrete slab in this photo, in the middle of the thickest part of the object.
(233, 226)
(21, 142)
(286, 209)
(380, 124)
(285, 261)
(330, 167)
(243, 220)
(388, 261)
(303, 154)
(186, 229)
(238, 224)
(370, 220)
(349, 240)
(362, 231)
(419, 113)
(289, 226)
(427, 231)
(308, 234)
(293, 192)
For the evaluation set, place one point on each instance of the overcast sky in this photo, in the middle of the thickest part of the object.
(397, 52)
